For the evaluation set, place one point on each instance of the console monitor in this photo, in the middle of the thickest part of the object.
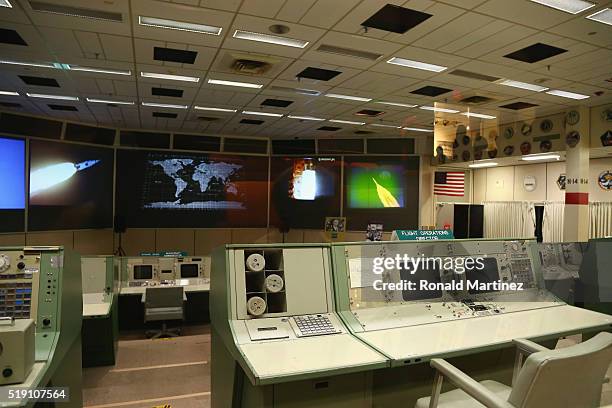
(190, 270)
(143, 272)
(429, 274)
(480, 277)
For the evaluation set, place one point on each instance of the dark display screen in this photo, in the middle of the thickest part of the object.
(163, 189)
(71, 186)
(189, 271)
(143, 272)
(489, 274)
(430, 275)
(304, 191)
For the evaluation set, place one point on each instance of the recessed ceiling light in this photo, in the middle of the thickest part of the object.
(417, 129)
(169, 77)
(349, 97)
(403, 105)
(178, 25)
(522, 85)
(534, 157)
(234, 83)
(305, 118)
(163, 105)
(29, 64)
(270, 39)
(386, 126)
(566, 94)
(94, 100)
(347, 122)
(257, 113)
(484, 164)
(433, 108)
(60, 97)
(215, 109)
(71, 11)
(569, 6)
(416, 64)
(478, 115)
(602, 16)
(5, 3)
(9, 93)
(99, 70)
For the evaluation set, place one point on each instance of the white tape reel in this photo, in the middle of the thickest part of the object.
(255, 262)
(256, 306)
(274, 283)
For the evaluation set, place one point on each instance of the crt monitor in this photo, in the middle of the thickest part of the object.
(488, 274)
(190, 270)
(428, 273)
(142, 272)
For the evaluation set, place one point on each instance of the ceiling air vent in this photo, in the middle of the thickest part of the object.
(348, 52)
(473, 75)
(75, 11)
(253, 67)
(476, 100)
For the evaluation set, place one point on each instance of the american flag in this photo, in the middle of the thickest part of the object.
(449, 183)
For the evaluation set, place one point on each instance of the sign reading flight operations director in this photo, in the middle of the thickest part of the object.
(408, 273)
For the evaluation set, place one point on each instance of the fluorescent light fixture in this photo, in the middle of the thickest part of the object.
(566, 94)
(163, 105)
(386, 126)
(178, 25)
(99, 70)
(534, 157)
(477, 115)
(94, 100)
(215, 109)
(304, 118)
(5, 3)
(9, 93)
(522, 85)
(433, 108)
(234, 83)
(349, 97)
(569, 6)
(276, 115)
(169, 77)
(602, 16)
(418, 129)
(483, 164)
(270, 39)
(416, 64)
(60, 97)
(403, 105)
(347, 122)
(29, 64)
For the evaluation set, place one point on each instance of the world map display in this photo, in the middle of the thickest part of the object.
(192, 183)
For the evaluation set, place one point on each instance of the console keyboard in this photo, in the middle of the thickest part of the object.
(314, 325)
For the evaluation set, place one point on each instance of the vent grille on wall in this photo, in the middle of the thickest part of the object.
(349, 52)
(75, 11)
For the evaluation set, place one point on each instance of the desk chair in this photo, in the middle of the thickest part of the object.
(163, 304)
(570, 377)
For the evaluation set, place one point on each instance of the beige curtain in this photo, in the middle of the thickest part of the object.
(509, 219)
(552, 224)
(600, 214)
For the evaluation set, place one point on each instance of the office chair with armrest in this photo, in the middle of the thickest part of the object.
(570, 377)
(163, 304)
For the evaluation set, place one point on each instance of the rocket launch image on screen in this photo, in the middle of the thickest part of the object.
(71, 186)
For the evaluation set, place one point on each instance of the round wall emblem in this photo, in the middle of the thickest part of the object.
(605, 180)
(525, 148)
(508, 150)
(606, 115)
(529, 183)
(508, 133)
(572, 117)
(573, 138)
(546, 125)
(526, 129)
(545, 146)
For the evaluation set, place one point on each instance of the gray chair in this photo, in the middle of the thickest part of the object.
(569, 377)
(164, 304)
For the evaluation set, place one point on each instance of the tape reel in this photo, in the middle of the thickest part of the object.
(256, 306)
(255, 262)
(274, 283)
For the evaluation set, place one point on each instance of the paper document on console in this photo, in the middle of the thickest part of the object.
(361, 273)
